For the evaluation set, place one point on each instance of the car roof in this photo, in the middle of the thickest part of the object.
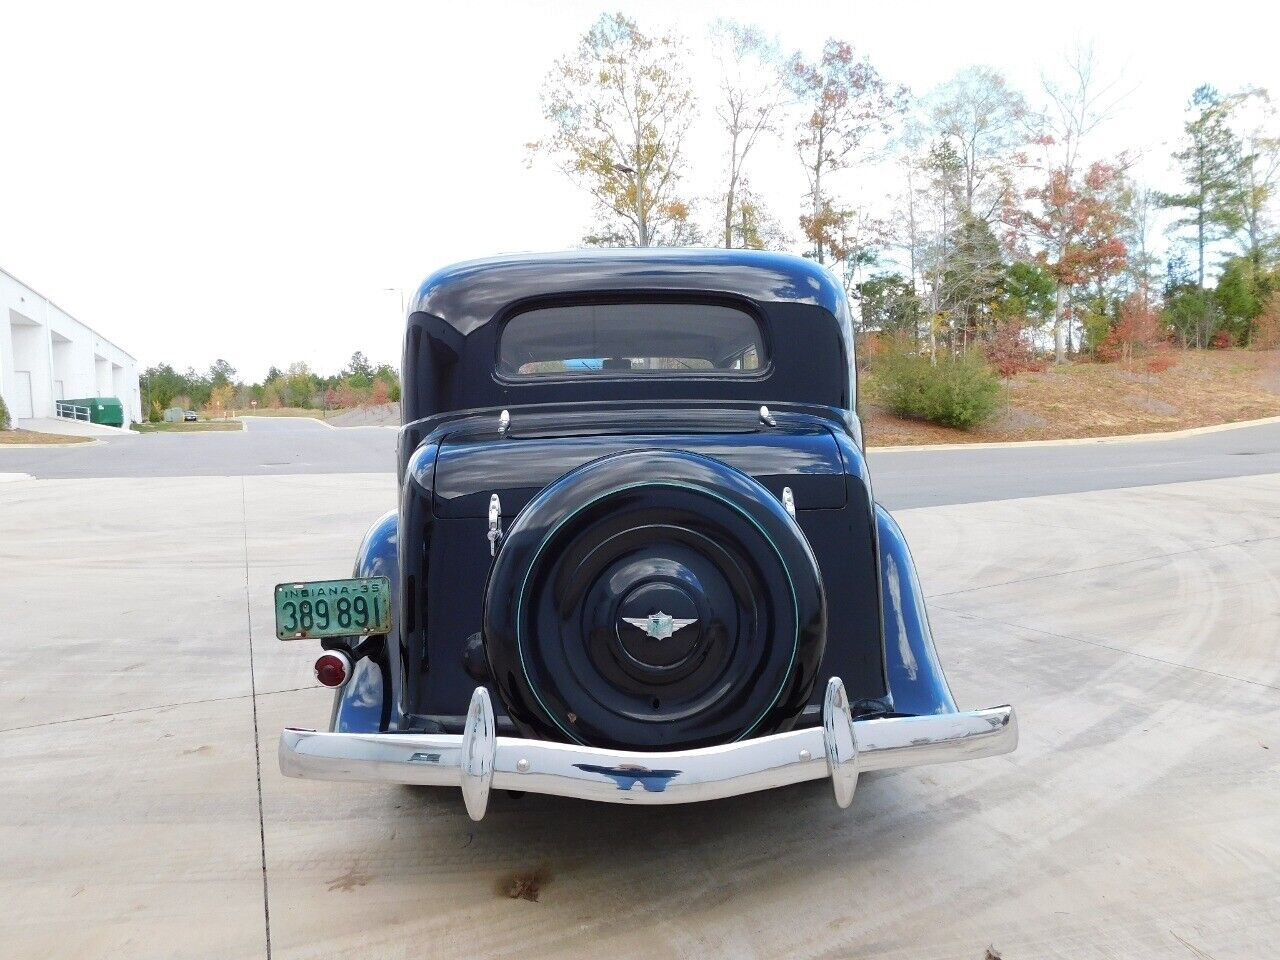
(457, 315)
(469, 294)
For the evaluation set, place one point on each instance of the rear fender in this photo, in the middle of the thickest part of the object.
(916, 680)
(367, 703)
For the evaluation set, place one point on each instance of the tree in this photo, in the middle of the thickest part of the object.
(161, 384)
(1210, 165)
(844, 101)
(299, 385)
(1258, 173)
(1028, 293)
(751, 98)
(752, 227)
(359, 366)
(888, 303)
(1137, 332)
(1266, 333)
(1193, 314)
(619, 107)
(221, 397)
(1138, 205)
(221, 373)
(1242, 291)
(1073, 216)
(1076, 224)
(984, 122)
(974, 274)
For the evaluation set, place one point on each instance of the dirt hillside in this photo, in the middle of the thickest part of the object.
(1107, 399)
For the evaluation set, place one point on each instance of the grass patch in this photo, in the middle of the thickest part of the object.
(23, 437)
(200, 426)
(290, 412)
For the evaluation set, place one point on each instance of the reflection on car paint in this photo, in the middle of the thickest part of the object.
(627, 775)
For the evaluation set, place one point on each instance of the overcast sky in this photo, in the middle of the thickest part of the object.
(245, 180)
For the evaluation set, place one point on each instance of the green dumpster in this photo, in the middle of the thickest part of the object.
(105, 410)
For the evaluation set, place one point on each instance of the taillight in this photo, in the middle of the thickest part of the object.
(333, 669)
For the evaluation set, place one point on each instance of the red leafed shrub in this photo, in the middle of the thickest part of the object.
(1108, 349)
(1009, 353)
(1138, 332)
(1222, 340)
(380, 393)
(1266, 326)
(1161, 358)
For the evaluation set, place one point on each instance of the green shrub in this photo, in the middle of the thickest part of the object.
(4, 415)
(955, 391)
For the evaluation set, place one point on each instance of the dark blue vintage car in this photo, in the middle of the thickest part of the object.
(636, 558)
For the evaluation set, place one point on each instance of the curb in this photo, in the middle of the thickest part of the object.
(318, 420)
(1078, 441)
(49, 446)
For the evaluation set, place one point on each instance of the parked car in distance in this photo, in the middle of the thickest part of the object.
(190, 416)
(636, 557)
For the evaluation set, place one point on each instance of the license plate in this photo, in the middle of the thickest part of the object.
(333, 608)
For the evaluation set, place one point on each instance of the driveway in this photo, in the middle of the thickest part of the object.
(1134, 629)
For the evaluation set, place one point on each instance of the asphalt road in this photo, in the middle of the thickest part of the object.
(923, 478)
(915, 478)
(268, 446)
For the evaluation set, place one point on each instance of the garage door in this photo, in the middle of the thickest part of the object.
(22, 406)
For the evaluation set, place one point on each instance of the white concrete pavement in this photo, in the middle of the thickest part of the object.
(72, 428)
(1135, 630)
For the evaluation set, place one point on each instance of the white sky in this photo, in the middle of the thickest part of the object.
(244, 180)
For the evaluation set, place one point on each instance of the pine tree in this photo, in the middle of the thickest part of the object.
(1210, 164)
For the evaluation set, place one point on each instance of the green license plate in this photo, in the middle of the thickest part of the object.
(333, 608)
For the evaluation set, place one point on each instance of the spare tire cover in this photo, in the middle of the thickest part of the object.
(654, 599)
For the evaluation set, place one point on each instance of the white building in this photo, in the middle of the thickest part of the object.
(47, 355)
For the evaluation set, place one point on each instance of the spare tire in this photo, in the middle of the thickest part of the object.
(654, 599)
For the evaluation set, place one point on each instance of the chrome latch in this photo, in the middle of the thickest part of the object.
(767, 417)
(495, 525)
(504, 422)
(789, 501)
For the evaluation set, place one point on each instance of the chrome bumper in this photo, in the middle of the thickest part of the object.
(479, 760)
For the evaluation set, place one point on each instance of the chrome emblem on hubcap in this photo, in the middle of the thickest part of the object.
(659, 626)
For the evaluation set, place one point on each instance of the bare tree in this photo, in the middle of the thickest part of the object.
(619, 107)
(1139, 205)
(984, 121)
(752, 227)
(1258, 130)
(1078, 103)
(752, 94)
(844, 102)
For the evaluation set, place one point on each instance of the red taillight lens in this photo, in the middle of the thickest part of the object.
(333, 669)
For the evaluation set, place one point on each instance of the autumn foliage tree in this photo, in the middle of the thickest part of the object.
(843, 102)
(1076, 224)
(619, 107)
(1138, 333)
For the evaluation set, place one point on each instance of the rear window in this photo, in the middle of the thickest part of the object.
(631, 339)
